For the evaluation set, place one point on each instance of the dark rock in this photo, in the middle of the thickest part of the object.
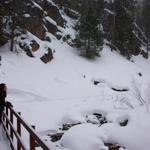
(53, 12)
(144, 54)
(140, 74)
(35, 46)
(47, 38)
(123, 123)
(66, 38)
(96, 82)
(58, 36)
(68, 126)
(112, 146)
(120, 90)
(100, 118)
(50, 27)
(35, 26)
(26, 49)
(98, 115)
(56, 137)
(47, 57)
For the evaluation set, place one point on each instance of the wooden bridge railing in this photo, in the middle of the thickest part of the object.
(13, 129)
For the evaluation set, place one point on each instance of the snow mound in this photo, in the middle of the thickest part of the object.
(84, 137)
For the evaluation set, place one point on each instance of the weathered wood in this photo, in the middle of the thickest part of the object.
(10, 140)
(15, 133)
(11, 120)
(6, 119)
(19, 132)
(31, 131)
(32, 141)
(8, 124)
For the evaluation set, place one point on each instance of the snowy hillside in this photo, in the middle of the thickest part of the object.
(63, 92)
(76, 103)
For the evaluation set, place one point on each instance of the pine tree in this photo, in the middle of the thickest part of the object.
(146, 20)
(1, 30)
(2, 14)
(124, 37)
(89, 35)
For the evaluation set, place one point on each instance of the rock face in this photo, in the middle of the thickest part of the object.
(51, 27)
(34, 18)
(53, 12)
(38, 17)
(35, 26)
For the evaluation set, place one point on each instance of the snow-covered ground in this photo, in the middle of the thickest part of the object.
(62, 92)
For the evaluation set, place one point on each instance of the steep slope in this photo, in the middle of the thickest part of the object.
(72, 90)
(63, 91)
(34, 25)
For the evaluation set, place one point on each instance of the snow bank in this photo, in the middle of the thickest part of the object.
(84, 137)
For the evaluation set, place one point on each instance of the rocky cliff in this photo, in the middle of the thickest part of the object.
(36, 21)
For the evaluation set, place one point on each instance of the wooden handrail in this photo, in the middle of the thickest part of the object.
(16, 134)
(10, 140)
(8, 125)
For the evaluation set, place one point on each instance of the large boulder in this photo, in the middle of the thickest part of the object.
(144, 54)
(35, 46)
(26, 48)
(47, 57)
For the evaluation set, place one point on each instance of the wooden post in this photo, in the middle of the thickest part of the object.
(11, 120)
(19, 132)
(32, 141)
(6, 119)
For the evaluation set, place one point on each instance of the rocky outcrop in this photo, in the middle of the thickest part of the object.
(26, 48)
(30, 16)
(144, 54)
(37, 17)
(35, 26)
(53, 12)
(35, 46)
(48, 56)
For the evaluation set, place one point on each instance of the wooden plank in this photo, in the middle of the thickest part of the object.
(31, 131)
(11, 120)
(7, 134)
(7, 115)
(16, 134)
(32, 141)
(34, 137)
(19, 132)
